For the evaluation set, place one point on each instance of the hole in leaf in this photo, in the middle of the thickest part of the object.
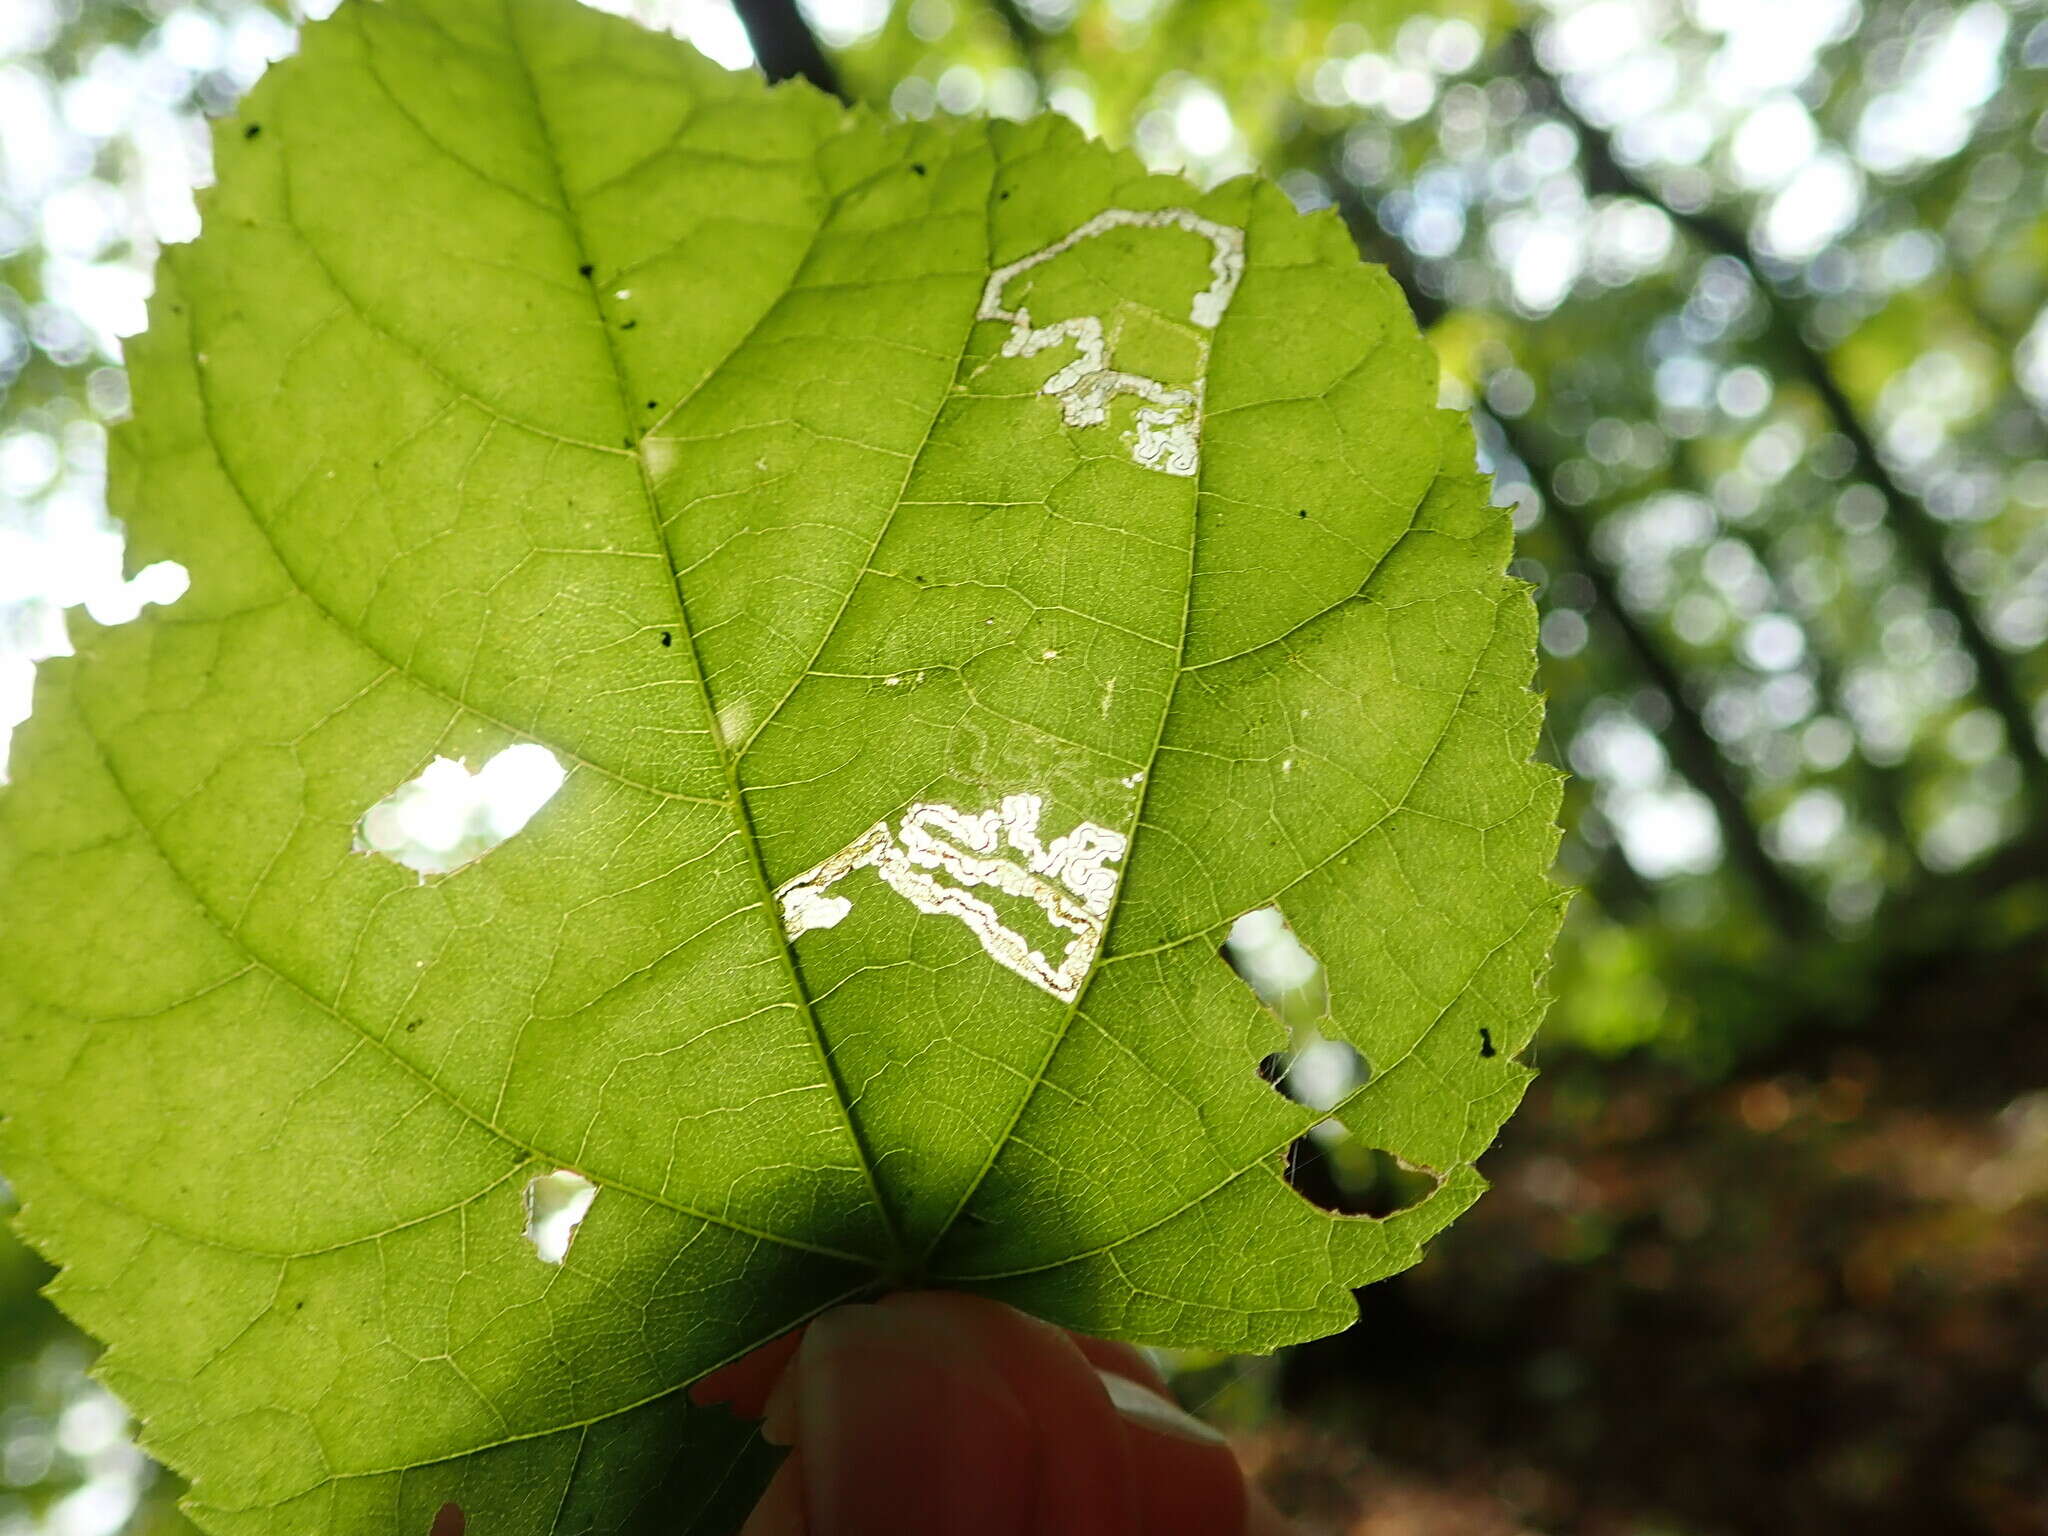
(1321, 1071)
(1276, 965)
(1282, 973)
(556, 1204)
(163, 583)
(1328, 1166)
(1341, 1173)
(449, 817)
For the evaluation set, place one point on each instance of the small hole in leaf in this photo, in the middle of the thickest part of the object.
(585, 270)
(252, 130)
(1322, 1073)
(556, 1204)
(1340, 1173)
(1486, 1045)
(1276, 965)
(667, 638)
(161, 583)
(448, 817)
(917, 166)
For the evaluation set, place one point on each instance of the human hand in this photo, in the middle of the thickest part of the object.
(933, 1413)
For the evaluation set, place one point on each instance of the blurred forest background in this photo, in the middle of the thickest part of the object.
(1750, 301)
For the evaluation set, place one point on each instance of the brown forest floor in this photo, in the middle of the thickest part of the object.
(1811, 1298)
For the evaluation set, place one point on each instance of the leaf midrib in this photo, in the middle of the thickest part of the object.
(769, 908)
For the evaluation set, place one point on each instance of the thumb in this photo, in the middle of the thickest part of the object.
(902, 1429)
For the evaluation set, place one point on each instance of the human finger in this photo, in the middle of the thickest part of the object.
(1188, 1479)
(904, 1429)
(1126, 1360)
(744, 1385)
(1084, 1484)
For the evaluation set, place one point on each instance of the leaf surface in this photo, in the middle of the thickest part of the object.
(959, 573)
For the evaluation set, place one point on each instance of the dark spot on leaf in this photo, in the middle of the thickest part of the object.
(415, 1024)
(1486, 1042)
(667, 638)
(448, 1521)
(654, 405)
(1003, 196)
(629, 325)
(917, 166)
(252, 130)
(298, 1306)
(585, 270)
(1302, 513)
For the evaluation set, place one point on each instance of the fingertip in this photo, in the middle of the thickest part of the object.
(907, 1431)
(1157, 1413)
(1085, 1484)
(1119, 1358)
(1189, 1480)
(746, 1385)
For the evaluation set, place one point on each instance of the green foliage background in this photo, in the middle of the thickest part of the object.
(1793, 613)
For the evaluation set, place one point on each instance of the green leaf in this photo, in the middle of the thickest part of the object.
(930, 704)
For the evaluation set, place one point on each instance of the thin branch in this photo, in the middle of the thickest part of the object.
(1919, 532)
(1025, 38)
(1376, 245)
(1884, 785)
(1694, 752)
(1618, 887)
(785, 45)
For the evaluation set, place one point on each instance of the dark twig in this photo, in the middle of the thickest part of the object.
(1694, 752)
(1918, 531)
(1376, 245)
(1025, 38)
(785, 45)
